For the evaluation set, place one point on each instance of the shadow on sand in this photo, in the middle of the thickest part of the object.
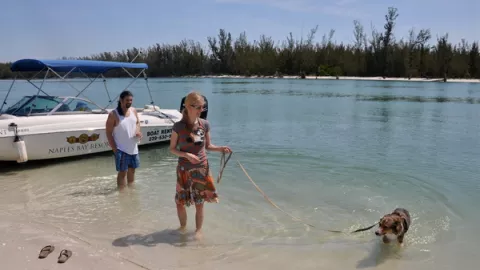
(380, 254)
(167, 236)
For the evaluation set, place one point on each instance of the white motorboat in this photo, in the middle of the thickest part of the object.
(41, 126)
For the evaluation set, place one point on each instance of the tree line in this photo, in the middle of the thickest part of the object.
(377, 54)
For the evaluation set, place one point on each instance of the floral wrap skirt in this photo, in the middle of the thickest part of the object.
(195, 186)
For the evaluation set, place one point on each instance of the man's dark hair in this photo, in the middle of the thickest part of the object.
(123, 95)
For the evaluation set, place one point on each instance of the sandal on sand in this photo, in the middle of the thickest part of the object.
(46, 251)
(64, 255)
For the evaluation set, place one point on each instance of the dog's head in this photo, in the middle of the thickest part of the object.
(389, 224)
(197, 137)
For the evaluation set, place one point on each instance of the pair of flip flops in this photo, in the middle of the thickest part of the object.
(63, 257)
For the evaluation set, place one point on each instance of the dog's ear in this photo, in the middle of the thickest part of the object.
(398, 226)
(380, 221)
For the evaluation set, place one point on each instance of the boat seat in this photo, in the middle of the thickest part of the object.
(64, 108)
(151, 108)
(82, 107)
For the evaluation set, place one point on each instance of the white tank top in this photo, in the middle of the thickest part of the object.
(124, 133)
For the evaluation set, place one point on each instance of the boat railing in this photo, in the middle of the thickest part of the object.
(71, 113)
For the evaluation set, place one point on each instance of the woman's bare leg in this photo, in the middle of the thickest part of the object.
(182, 217)
(198, 220)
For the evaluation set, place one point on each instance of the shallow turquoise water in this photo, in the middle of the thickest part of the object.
(337, 154)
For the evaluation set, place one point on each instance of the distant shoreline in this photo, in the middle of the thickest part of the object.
(353, 78)
(378, 78)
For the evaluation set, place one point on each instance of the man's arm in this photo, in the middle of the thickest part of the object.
(110, 124)
(139, 131)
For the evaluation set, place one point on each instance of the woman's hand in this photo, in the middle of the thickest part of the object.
(192, 158)
(225, 149)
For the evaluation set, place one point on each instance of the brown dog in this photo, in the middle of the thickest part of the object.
(395, 223)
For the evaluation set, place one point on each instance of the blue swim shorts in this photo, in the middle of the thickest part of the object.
(123, 161)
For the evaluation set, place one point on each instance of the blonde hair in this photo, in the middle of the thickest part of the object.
(192, 98)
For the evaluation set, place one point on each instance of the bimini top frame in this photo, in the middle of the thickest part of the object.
(75, 66)
(86, 66)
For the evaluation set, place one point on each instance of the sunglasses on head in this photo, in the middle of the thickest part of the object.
(198, 107)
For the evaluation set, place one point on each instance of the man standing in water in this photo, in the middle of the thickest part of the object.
(123, 134)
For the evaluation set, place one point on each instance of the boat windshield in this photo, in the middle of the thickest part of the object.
(42, 105)
(17, 105)
(76, 105)
(33, 105)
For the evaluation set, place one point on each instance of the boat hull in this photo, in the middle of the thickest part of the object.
(53, 137)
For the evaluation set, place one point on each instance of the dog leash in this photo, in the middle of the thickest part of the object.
(223, 164)
(295, 218)
(365, 229)
(274, 204)
(268, 199)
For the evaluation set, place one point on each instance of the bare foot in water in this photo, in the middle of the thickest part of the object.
(181, 230)
(198, 235)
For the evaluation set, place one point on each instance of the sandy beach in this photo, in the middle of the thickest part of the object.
(22, 240)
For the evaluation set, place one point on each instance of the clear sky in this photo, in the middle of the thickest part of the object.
(56, 28)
